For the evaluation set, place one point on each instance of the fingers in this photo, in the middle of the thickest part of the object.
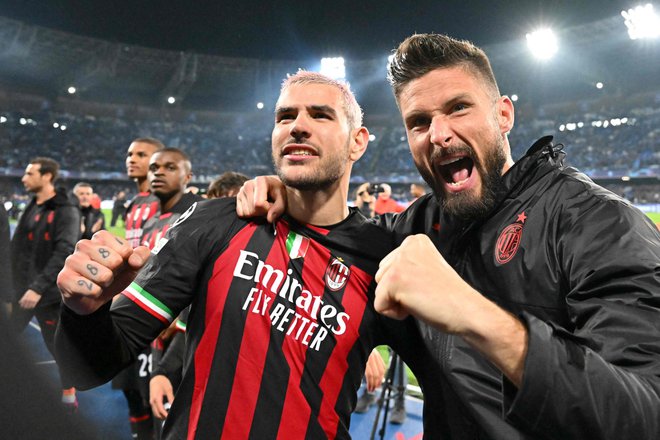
(244, 204)
(278, 196)
(160, 391)
(97, 270)
(260, 199)
(375, 371)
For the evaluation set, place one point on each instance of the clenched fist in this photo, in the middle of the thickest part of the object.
(99, 269)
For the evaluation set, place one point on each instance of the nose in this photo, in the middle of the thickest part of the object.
(300, 129)
(440, 131)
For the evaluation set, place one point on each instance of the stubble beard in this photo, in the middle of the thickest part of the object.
(318, 179)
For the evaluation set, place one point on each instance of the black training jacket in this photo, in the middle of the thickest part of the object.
(581, 268)
(53, 236)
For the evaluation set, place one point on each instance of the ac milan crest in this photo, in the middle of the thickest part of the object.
(336, 275)
(508, 243)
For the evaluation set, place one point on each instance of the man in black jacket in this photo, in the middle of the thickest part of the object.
(92, 219)
(46, 234)
(537, 290)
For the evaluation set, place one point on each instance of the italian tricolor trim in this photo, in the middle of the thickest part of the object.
(180, 325)
(148, 303)
(296, 245)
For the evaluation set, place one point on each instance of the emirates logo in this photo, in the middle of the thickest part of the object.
(509, 240)
(336, 275)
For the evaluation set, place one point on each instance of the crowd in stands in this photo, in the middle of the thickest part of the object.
(603, 139)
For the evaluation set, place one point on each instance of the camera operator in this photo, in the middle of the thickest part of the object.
(365, 200)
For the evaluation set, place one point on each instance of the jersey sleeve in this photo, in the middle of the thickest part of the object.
(162, 289)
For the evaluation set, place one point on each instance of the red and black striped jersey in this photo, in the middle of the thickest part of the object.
(280, 327)
(143, 206)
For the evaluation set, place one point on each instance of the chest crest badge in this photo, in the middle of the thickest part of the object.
(509, 240)
(336, 275)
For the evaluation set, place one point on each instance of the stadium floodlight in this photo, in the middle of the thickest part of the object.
(642, 22)
(542, 43)
(599, 85)
(514, 97)
(171, 99)
(372, 137)
(333, 67)
(22, 121)
(56, 125)
(71, 90)
(63, 127)
(260, 105)
(3, 119)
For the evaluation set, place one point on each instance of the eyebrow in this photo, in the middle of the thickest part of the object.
(316, 108)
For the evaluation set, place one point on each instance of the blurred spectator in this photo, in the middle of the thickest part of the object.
(118, 208)
(92, 219)
(364, 200)
(385, 202)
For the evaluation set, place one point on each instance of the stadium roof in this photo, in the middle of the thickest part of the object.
(228, 55)
(292, 30)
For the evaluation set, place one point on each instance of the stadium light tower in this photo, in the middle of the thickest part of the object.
(333, 67)
(642, 22)
(542, 43)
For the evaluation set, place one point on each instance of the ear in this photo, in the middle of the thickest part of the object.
(188, 178)
(505, 114)
(359, 141)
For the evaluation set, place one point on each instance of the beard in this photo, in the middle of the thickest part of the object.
(327, 172)
(467, 206)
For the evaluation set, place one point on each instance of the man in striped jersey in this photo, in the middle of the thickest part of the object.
(133, 380)
(145, 204)
(282, 319)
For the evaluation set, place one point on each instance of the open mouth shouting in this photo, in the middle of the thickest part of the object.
(457, 172)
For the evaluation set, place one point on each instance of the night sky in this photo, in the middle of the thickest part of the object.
(291, 30)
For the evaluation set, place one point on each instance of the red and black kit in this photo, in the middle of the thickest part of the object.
(280, 328)
(143, 206)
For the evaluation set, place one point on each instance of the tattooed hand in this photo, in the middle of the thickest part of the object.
(99, 269)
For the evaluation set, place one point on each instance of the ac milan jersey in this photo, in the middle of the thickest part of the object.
(280, 328)
(143, 206)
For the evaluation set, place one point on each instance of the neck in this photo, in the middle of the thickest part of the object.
(45, 193)
(142, 184)
(319, 207)
(167, 205)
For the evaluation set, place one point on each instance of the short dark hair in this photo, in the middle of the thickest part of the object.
(223, 185)
(47, 165)
(181, 153)
(149, 140)
(419, 54)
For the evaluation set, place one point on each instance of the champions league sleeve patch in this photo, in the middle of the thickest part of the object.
(185, 215)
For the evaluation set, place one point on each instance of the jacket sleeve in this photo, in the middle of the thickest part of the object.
(600, 378)
(66, 234)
